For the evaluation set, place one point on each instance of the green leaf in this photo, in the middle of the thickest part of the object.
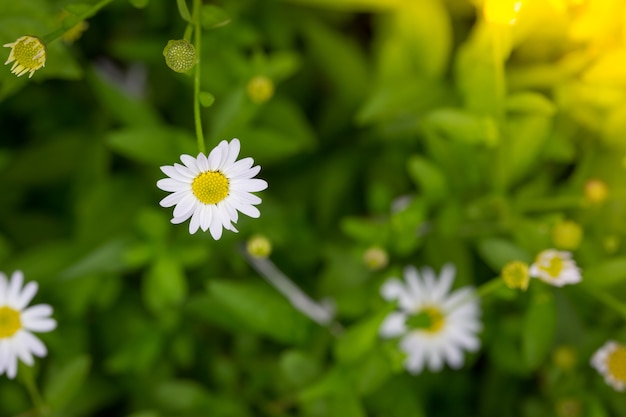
(212, 17)
(110, 257)
(65, 383)
(530, 102)
(606, 274)
(498, 252)
(539, 327)
(351, 5)
(165, 284)
(152, 145)
(261, 308)
(299, 367)
(206, 99)
(183, 10)
(428, 177)
(463, 126)
(366, 231)
(358, 340)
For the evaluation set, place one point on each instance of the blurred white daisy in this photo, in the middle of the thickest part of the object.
(17, 322)
(556, 268)
(435, 326)
(610, 361)
(210, 190)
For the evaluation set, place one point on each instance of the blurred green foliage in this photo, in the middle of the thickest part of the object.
(416, 126)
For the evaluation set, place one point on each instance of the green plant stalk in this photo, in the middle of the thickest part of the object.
(489, 287)
(51, 37)
(34, 394)
(196, 84)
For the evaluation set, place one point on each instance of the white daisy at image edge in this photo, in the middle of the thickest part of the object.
(18, 322)
(211, 190)
(610, 362)
(449, 320)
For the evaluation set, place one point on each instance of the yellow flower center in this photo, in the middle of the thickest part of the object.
(429, 319)
(10, 322)
(515, 275)
(210, 187)
(554, 267)
(29, 52)
(436, 319)
(616, 363)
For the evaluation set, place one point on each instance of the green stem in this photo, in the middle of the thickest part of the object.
(71, 22)
(34, 394)
(608, 300)
(196, 86)
(489, 287)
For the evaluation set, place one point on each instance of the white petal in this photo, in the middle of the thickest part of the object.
(185, 205)
(173, 199)
(185, 173)
(15, 288)
(216, 229)
(446, 278)
(172, 185)
(4, 284)
(202, 162)
(249, 210)
(215, 157)
(37, 318)
(25, 296)
(434, 358)
(176, 173)
(429, 280)
(206, 217)
(411, 276)
(453, 355)
(392, 289)
(194, 223)
(191, 163)
(244, 197)
(249, 185)
(393, 325)
(233, 153)
(238, 168)
(32, 343)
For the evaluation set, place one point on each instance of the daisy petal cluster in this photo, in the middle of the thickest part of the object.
(435, 325)
(17, 322)
(556, 268)
(610, 362)
(211, 190)
(28, 54)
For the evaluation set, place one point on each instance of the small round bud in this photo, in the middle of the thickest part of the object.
(259, 246)
(564, 358)
(260, 89)
(567, 235)
(611, 243)
(180, 55)
(515, 275)
(375, 258)
(596, 191)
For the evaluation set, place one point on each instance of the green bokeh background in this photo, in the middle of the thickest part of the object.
(413, 125)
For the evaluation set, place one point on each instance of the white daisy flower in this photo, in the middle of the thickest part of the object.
(17, 323)
(556, 268)
(212, 189)
(610, 361)
(435, 326)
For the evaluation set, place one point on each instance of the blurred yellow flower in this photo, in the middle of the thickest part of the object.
(260, 89)
(375, 258)
(28, 54)
(596, 191)
(515, 275)
(502, 12)
(259, 246)
(567, 235)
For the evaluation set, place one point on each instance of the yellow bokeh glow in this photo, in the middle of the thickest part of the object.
(502, 12)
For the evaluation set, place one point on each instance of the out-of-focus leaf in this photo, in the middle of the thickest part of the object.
(358, 339)
(299, 367)
(212, 16)
(539, 328)
(262, 309)
(498, 252)
(152, 145)
(183, 10)
(191, 398)
(206, 99)
(65, 383)
(530, 102)
(460, 125)
(165, 284)
(606, 274)
(365, 230)
(351, 5)
(428, 177)
(109, 257)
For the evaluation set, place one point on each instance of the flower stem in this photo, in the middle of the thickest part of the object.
(489, 287)
(196, 85)
(321, 314)
(47, 39)
(608, 300)
(34, 394)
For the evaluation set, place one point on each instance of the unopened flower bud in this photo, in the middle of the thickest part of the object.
(259, 246)
(180, 55)
(375, 258)
(260, 89)
(515, 275)
(596, 191)
(567, 235)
